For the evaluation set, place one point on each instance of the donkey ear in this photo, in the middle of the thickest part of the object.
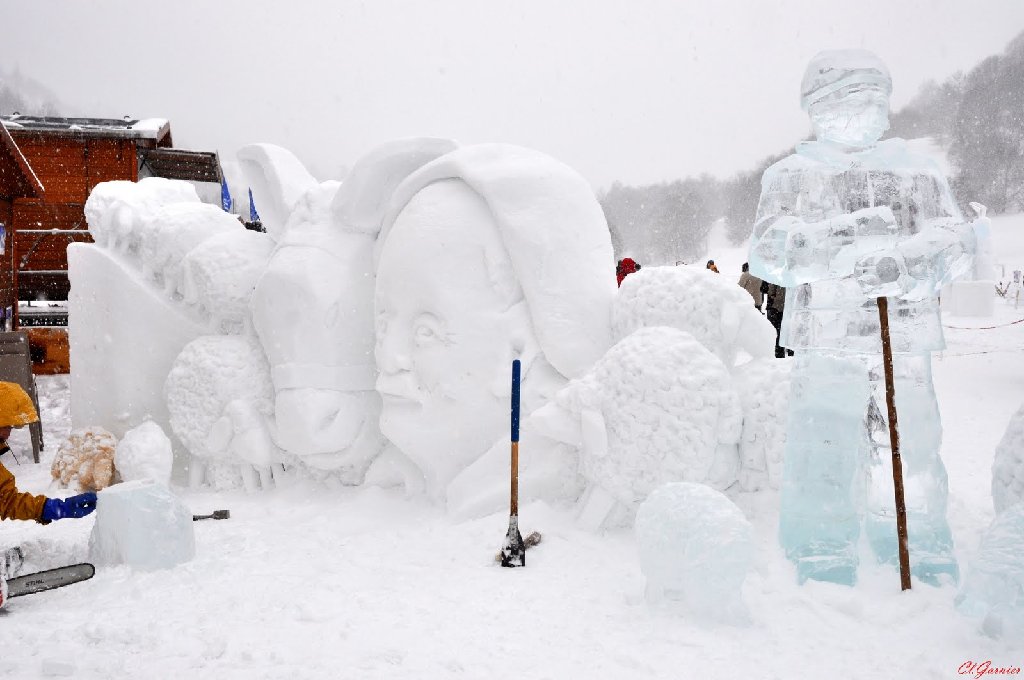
(277, 179)
(363, 197)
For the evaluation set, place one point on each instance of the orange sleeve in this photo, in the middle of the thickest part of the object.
(13, 503)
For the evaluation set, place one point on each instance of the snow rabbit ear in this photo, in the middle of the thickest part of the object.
(277, 179)
(365, 194)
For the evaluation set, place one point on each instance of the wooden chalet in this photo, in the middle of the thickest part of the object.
(48, 167)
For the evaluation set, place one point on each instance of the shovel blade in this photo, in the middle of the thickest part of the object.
(513, 550)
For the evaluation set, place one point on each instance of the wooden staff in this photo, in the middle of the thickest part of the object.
(894, 442)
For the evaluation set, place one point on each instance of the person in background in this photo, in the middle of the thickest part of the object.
(711, 266)
(752, 285)
(625, 267)
(16, 410)
(776, 305)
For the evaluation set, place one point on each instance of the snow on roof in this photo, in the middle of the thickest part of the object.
(146, 128)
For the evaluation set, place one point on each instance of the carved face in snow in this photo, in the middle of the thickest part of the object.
(856, 115)
(444, 293)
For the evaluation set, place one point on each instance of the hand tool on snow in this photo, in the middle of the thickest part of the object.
(513, 550)
(217, 514)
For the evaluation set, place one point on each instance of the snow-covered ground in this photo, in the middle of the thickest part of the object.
(309, 581)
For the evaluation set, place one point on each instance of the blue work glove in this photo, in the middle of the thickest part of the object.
(76, 506)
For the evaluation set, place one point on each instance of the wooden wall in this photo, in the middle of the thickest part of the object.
(69, 165)
(8, 300)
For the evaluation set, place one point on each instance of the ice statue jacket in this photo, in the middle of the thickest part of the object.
(826, 220)
(13, 503)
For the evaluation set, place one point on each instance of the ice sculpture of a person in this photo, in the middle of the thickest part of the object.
(840, 222)
(491, 252)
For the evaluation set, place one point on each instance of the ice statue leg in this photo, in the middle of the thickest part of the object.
(924, 475)
(819, 521)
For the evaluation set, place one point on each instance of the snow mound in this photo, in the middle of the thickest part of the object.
(763, 387)
(695, 549)
(86, 459)
(670, 413)
(144, 453)
(709, 306)
(1008, 466)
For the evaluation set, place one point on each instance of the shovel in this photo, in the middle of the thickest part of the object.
(513, 550)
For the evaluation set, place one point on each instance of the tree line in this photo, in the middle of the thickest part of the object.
(977, 118)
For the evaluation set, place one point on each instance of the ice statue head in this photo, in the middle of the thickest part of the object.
(846, 94)
(488, 254)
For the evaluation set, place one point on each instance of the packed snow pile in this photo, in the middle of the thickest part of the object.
(1008, 466)
(86, 459)
(695, 549)
(144, 453)
(669, 410)
(141, 524)
(994, 587)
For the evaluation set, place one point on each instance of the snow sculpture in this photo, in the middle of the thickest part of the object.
(1008, 466)
(657, 407)
(489, 253)
(994, 587)
(695, 550)
(764, 388)
(320, 352)
(143, 525)
(712, 308)
(144, 453)
(840, 222)
(144, 232)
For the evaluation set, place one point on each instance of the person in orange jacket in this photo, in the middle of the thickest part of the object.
(16, 410)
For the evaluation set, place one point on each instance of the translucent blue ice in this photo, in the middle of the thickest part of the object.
(842, 221)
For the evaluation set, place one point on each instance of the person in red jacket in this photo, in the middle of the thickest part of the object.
(625, 267)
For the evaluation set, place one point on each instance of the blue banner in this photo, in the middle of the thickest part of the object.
(253, 215)
(225, 196)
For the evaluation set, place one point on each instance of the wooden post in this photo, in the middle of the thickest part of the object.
(894, 442)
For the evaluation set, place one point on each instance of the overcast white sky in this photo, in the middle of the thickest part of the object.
(635, 90)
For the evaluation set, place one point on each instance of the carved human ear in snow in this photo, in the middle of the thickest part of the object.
(487, 254)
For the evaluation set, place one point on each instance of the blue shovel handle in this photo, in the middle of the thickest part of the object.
(515, 400)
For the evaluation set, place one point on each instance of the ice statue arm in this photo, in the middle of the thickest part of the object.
(789, 251)
(919, 266)
(939, 254)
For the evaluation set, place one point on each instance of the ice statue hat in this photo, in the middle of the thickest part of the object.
(832, 70)
(555, 233)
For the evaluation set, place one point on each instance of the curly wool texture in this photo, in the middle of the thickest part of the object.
(668, 405)
(86, 459)
(763, 386)
(211, 372)
(709, 306)
(1008, 466)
